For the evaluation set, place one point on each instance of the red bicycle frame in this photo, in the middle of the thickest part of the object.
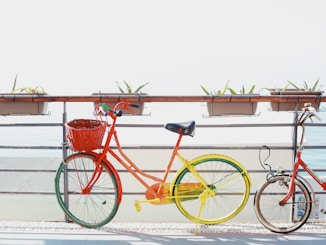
(299, 162)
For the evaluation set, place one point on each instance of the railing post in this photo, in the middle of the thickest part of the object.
(64, 156)
(295, 135)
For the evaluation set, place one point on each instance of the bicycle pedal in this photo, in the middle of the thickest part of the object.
(137, 206)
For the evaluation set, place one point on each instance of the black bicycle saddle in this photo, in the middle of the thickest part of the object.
(184, 128)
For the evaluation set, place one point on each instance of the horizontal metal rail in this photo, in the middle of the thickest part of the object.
(160, 98)
(236, 125)
(226, 98)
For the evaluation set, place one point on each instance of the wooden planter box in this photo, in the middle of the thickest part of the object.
(231, 108)
(22, 108)
(136, 111)
(292, 106)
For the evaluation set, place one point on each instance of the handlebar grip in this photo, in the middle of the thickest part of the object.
(106, 107)
(317, 116)
(312, 111)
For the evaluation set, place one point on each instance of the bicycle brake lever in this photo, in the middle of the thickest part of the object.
(118, 113)
(263, 163)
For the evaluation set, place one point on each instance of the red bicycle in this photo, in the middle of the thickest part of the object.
(284, 202)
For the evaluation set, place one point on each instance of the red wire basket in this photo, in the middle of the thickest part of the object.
(85, 134)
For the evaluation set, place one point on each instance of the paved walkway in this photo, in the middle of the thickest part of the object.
(134, 233)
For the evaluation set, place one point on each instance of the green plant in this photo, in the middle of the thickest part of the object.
(306, 87)
(218, 92)
(30, 90)
(227, 88)
(129, 89)
(243, 90)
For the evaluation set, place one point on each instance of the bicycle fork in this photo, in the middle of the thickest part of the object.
(95, 176)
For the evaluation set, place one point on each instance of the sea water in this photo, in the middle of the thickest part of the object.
(316, 136)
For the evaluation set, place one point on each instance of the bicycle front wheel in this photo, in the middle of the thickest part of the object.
(289, 216)
(224, 196)
(87, 206)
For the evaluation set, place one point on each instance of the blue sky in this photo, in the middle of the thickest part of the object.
(80, 47)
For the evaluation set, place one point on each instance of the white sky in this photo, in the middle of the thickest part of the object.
(80, 47)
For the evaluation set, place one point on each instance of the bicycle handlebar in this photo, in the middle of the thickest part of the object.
(308, 112)
(314, 113)
(104, 110)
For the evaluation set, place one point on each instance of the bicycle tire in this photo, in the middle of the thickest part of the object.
(282, 218)
(99, 206)
(229, 185)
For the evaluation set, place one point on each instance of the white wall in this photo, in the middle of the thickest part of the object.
(45, 207)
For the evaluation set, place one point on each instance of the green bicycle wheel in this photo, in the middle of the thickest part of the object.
(89, 207)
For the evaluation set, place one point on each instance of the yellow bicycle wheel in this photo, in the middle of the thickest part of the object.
(215, 190)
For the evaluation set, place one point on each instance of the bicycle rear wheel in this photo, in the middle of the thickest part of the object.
(92, 208)
(227, 193)
(282, 218)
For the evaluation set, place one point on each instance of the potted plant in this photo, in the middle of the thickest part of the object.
(126, 90)
(292, 89)
(231, 107)
(23, 108)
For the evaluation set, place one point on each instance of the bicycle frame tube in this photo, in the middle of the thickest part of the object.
(310, 172)
(128, 164)
(300, 163)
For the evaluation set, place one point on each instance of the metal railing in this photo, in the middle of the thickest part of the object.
(175, 99)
